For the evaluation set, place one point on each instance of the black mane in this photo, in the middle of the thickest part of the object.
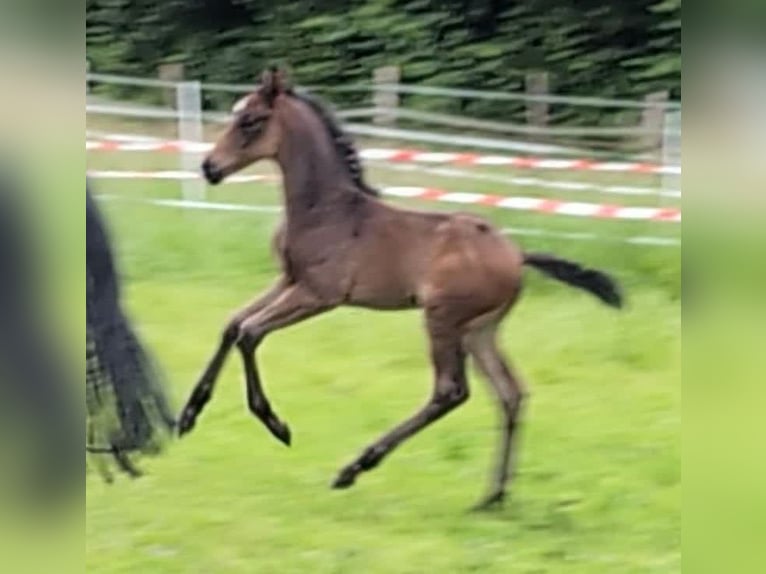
(344, 145)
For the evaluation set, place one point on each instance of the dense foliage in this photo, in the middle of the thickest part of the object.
(589, 47)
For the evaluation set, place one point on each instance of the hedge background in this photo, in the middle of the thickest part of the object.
(588, 47)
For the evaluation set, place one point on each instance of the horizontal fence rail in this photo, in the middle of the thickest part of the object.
(152, 112)
(642, 135)
(508, 96)
(453, 121)
(436, 91)
(387, 118)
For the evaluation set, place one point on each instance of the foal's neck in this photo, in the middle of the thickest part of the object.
(314, 176)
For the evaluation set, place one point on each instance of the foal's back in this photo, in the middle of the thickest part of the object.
(421, 258)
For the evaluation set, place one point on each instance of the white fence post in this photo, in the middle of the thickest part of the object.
(671, 148)
(189, 107)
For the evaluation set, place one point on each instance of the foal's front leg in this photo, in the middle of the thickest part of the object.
(203, 390)
(295, 304)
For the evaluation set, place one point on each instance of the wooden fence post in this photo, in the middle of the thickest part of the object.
(170, 72)
(385, 99)
(653, 121)
(536, 84)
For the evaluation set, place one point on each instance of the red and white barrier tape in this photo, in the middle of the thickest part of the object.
(538, 182)
(534, 204)
(173, 175)
(274, 210)
(404, 155)
(452, 172)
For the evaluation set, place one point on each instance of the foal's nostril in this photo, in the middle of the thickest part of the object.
(211, 172)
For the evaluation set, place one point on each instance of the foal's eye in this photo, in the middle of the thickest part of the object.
(250, 123)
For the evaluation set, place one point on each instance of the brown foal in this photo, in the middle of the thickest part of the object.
(340, 245)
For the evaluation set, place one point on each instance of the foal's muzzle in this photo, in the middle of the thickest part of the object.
(212, 172)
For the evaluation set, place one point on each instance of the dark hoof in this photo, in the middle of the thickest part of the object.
(491, 502)
(280, 430)
(187, 421)
(345, 479)
(126, 465)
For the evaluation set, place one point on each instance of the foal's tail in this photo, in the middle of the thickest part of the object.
(595, 282)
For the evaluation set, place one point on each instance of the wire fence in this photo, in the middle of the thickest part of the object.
(639, 134)
(466, 142)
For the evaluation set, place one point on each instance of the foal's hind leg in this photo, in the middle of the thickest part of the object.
(450, 390)
(294, 304)
(203, 390)
(482, 345)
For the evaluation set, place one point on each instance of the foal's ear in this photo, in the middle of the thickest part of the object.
(274, 82)
(282, 81)
(268, 85)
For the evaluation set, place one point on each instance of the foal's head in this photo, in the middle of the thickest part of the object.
(257, 129)
(254, 132)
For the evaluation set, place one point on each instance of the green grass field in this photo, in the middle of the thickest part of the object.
(599, 481)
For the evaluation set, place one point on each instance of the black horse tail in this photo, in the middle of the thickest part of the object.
(593, 281)
(126, 396)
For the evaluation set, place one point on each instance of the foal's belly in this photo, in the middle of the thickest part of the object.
(380, 305)
(394, 299)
